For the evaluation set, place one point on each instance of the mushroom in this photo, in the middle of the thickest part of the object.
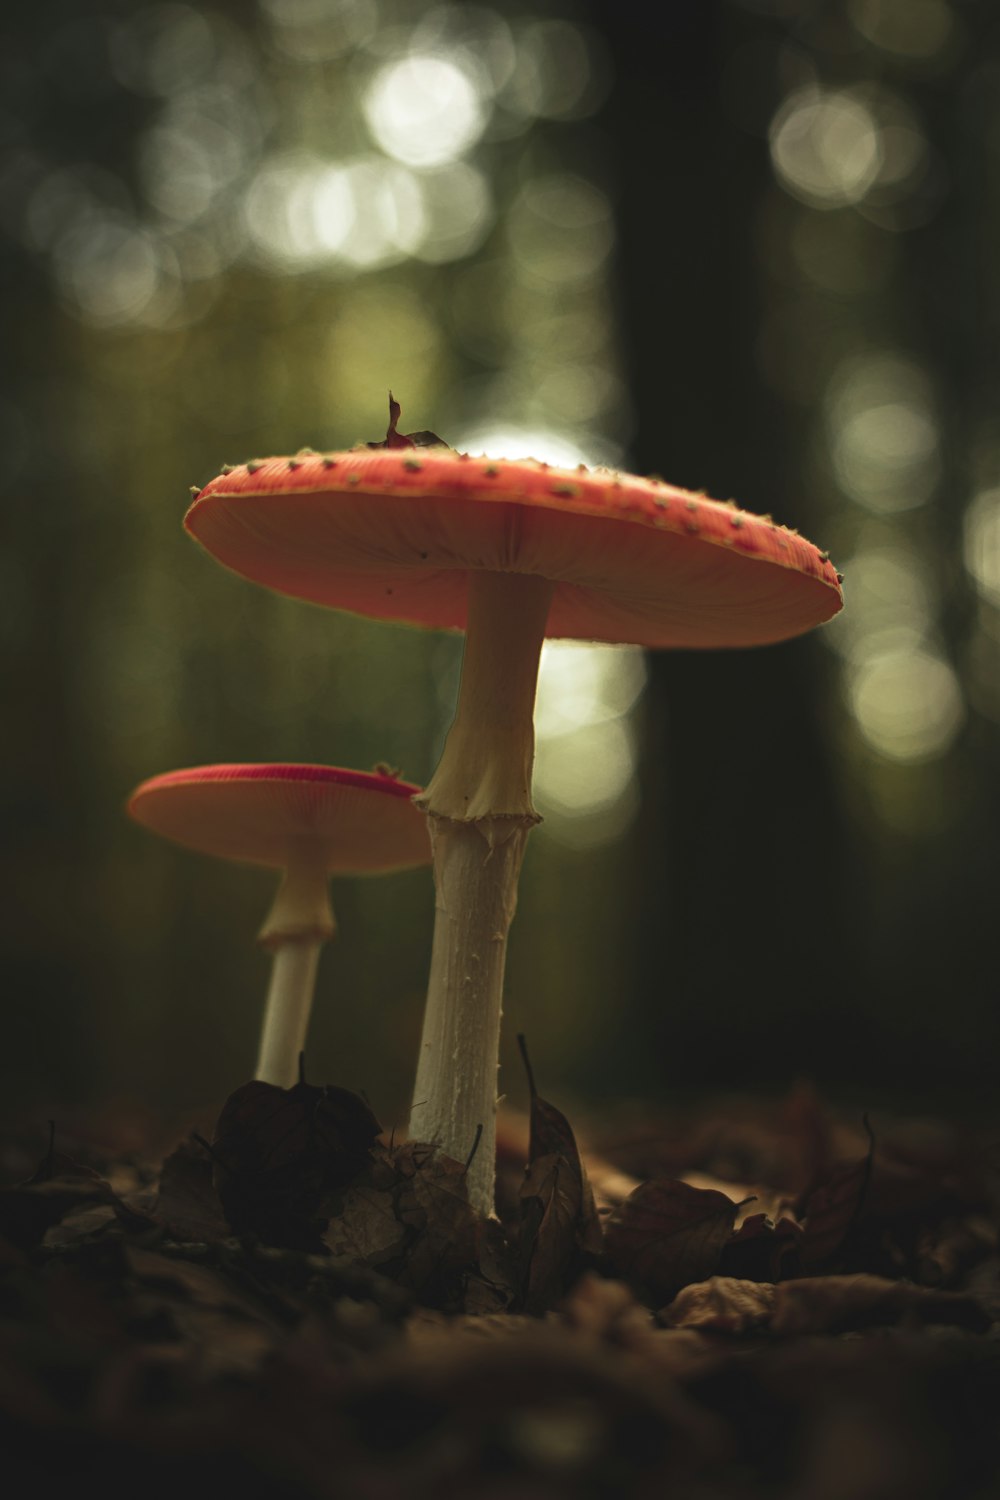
(511, 551)
(310, 822)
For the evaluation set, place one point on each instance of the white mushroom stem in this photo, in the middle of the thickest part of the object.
(298, 924)
(286, 1012)
(480, 814)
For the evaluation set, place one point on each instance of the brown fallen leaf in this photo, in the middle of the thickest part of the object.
(830, 1304)
(609, 1183)
(606, 1311)
(410, 1216)
(815, 1305)
(185, 1278)
(491, 1287)
(722, 1304)
(946, 1251)
(280, 1153)
(367, 1228)
(560, 1228)
(58, 1187)
(667, 1234)
(763, 1249)
(830, 1208)
(87, 1222)
(432, 1199)
(227, 1330)
(187, 1204)
(550, 1213)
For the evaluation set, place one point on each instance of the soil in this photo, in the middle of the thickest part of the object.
(760, 1300)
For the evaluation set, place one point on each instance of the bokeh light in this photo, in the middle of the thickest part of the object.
(839, 254)
(458, 212)
(109, 271)
(916, 29)
(859, 167)
(585, 745)
(424, 111)
(826, 146)
(313, 31)
(981, 543)
(301, 211)
(560, 229)
(557, 76)
(583, 683)
(547, 445)
(200, 145)
(68, 199)
(883, 432)
(164, 48)
(475, 37)
(891, 603)
(908, 704)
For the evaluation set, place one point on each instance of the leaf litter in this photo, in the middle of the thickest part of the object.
(301, 1307)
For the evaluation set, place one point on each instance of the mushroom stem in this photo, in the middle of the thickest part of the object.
(298, 924)
(286, 1011)
(480, 814)
(485, 768)
(301, 908)
(476, 866)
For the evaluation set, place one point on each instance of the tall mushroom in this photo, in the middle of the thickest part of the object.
(511, 551)
(310, 822)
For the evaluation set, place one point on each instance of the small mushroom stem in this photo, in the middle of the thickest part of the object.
(299, 923)
(286, 1011)
(480, 814)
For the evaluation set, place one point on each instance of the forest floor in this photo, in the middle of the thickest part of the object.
(761, 1299)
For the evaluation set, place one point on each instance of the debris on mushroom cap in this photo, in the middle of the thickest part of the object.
(393, 532)
(355, 822)
(394, 439)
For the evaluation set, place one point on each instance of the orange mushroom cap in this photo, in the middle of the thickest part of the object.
(393, 533)
(353, 822)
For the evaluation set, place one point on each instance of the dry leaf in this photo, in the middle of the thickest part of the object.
(433, 1200)
(560, 1228)
(722, 1304)
(366, 1228)
(831, 1304)
(762, 1250)
(830, 1208)
(280, 1153)
(667, 1234)
(815, 1305)
(59, 1186)
(394, 439)
(187, 1204)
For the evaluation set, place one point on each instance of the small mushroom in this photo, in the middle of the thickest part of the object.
(512, 551)
(310, 822)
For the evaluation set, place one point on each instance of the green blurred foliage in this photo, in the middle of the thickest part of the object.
(667, 236)
(168, 314)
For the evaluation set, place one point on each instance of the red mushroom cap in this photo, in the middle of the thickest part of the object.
(356, 822)
(393, 533)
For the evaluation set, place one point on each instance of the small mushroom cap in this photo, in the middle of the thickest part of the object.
(394, 534)
(351, 822)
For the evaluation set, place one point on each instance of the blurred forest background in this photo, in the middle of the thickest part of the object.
(751, 245)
